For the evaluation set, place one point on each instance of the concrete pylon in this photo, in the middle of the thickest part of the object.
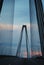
(20, 41)
(40, 20)
(1, 3)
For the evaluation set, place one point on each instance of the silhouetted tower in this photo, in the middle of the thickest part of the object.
(40, 18)
(1, 3)
(19, 46)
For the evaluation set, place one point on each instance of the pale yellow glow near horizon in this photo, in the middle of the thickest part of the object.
(12, 27)
(15, 27)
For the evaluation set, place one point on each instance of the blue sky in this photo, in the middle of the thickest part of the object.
(18, 13)
(19, 10)
(7, 12)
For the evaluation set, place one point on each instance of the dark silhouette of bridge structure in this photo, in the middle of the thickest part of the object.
(40, 21)
(15, 60)
(19, 45)
(1, 3)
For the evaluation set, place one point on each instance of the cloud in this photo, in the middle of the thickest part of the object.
(12, 27)
(17, 27)
(6, 26)
(33, 53)
(38, 53)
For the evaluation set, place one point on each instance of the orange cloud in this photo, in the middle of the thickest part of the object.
(6, 26)
(38, 53)
(33, 53)
(12, 27)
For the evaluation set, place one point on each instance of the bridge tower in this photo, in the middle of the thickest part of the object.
(19, 46)
(1, 3)
(40, 18)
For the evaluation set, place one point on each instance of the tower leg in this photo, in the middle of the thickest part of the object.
(40, 18)
(19, 46)
(1, 3)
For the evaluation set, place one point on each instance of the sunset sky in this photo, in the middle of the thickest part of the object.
(14, 14)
